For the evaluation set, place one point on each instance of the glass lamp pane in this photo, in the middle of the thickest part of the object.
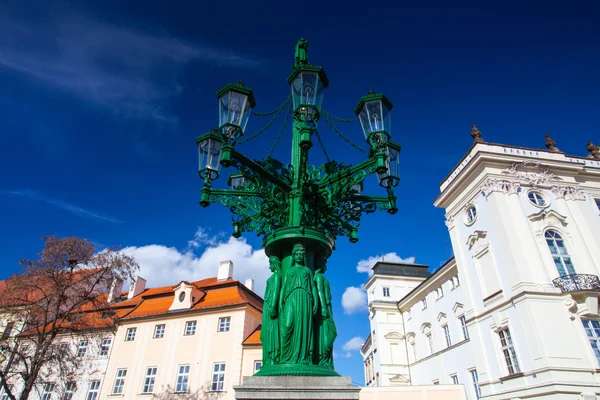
(374, 116)
(308, 89)
(234, 108)
(236, 182)
(209, 154)
(392, 162)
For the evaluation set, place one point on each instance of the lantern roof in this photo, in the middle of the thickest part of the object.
(240, 88)
(371, 96)
(298, 69)
(212, 134)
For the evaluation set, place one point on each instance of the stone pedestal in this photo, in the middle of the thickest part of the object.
(296, 387)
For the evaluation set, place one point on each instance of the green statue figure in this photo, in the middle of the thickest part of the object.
(298, 304)
(269, 334)
(301, 56)
(325, 324)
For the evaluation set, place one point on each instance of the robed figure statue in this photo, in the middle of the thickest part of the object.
(327, 331)
(298, 304)
(269, 334)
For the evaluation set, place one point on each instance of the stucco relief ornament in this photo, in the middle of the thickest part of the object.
(568, 193)
(450, 223)
(499, 185)
(541, 174)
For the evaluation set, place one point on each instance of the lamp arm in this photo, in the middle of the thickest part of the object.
(367, 166)
(259, 170)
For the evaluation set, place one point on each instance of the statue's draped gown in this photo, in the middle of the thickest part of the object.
(269, 333)
(297, 316)
(327, 329)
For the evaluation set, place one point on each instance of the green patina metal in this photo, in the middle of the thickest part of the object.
(300, 210)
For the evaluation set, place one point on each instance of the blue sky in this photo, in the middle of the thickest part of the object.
(101, 103)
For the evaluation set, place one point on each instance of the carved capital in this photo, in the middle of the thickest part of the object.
(531, 172)
(568, 193)
(499, 185)
(450, 223)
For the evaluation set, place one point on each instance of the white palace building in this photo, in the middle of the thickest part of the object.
(514, 314)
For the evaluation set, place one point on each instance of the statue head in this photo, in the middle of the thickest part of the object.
(299, 254)
(274, 264)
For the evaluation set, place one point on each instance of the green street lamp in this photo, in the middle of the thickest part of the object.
(298, 209)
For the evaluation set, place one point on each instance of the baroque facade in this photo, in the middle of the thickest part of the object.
(514, 314)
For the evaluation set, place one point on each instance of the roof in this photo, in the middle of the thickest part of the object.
(435, 273)
(401, 269)
(253, 338)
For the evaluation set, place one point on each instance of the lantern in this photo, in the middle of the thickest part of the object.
(236, 180)
(373, 111)
(308, 83)
(236, 101)
(357, 188)
(391, 177)
(209, 155)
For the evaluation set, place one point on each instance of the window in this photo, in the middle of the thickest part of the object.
(386, 292)
(455, 282)
(508, 349)
(447, 335)
(559, 252)
(159, 331)
(424, 303)
(119, 381)
(183, 373)
(430, 342)
(414, 348)
(47, 391)
(224, 324)
(475, 380)
(63, 347)
(105, 346)
(536, 198)
(463, 325)
(4, 395)
(470, 215)
(93, 390)
(454, 379)
(149, 380)
(7, 330)
(130, 336)
(82, 348)
(69, 391)
(257, 366)
(597, 203)
(218, 377)
(190, 328)
(439, 292)
(592, 330)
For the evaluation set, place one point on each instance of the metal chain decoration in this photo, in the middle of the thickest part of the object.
(344, 121)
(287, 116)
(266, 114)
(322, 146)
(340, 134)
(261, 131)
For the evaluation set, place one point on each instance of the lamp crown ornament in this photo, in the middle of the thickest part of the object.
(299, 209)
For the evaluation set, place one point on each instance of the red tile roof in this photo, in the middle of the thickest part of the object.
(253, 338)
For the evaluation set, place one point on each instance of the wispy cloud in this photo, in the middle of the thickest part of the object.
(73, 209)
(130, 72)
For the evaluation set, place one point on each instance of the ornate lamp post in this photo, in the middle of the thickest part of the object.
(299, 210)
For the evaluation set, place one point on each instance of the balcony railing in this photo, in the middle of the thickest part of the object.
(576, 282)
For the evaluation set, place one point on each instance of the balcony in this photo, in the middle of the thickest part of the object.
(577, 282)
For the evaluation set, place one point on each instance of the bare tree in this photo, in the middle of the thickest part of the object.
(63, 294)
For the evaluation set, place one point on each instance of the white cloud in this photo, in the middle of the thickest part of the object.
(354, 300)
(366, 265)
(353, 344)
(161, 265)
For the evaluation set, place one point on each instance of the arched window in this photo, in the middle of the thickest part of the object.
(561, 256)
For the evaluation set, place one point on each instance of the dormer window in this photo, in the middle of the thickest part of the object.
(181, 296)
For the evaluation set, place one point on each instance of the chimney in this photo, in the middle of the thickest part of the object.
(115, 289)
(138, 285)
(249, 284)
(225, 270)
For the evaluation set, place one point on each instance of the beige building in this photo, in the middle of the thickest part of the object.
(194, 339)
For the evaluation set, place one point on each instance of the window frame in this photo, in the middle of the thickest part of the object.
(446, 330)
(424, 303)
(558, 240)
(509, 352)
(430, 342)
(93, 392)
(70, 389)
(119, 384)
(130, 334)
(190, 328)
(257, 362)
(7, 330)
(597, 202)
(82, 348)
(148, 386)
(224, 324)
(182, 386)
(540, 196)
(219, 375)
(475, 382)
(47, 390)
(386, 291)
(156, 331)
(464, 328)
(470, 217)
(105, 348)
(454, 379)
(594, 338)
